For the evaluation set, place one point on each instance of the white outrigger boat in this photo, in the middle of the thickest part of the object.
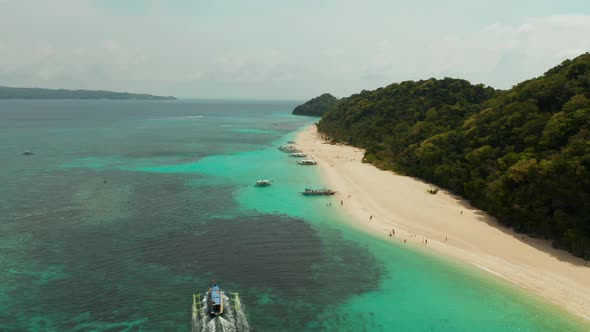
(307, 162)
(263, 183)
(298, 155)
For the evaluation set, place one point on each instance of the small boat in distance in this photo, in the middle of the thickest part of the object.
(317, 192)
(307, 162)
(215, 300)
(263, 183)
(289, 148)
(297, 154)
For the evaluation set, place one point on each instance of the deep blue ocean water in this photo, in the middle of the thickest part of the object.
(127, 208)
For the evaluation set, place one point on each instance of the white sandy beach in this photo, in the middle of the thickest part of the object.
(450, 225)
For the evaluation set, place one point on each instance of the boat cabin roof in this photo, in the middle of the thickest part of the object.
(216, 295)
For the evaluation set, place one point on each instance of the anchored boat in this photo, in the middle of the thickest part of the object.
(307, 162)
(297, 154)
(317, 192)
(289, 149)
(263, 183)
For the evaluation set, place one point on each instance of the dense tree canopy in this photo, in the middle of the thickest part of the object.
(317, 106)
(523, 155)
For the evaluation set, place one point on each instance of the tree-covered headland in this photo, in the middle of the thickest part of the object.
(317, 106)
(522, 155)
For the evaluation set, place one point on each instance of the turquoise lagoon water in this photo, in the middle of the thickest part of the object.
(127, 208)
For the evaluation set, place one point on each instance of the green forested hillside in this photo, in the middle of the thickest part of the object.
(317, 106)
(523, 155)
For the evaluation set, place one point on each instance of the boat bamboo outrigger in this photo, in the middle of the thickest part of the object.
(298, 154)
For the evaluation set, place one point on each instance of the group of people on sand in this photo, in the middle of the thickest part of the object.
(392, 232)
(424, 240)
(341, 203)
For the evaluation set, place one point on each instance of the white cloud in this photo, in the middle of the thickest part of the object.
(499, 54)
(523, 51)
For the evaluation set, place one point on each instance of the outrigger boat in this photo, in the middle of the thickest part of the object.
(298, 154)
(218, 311)
(317, 192)
(263, 183)
(307, 162)
(289, 149)
(215, 300)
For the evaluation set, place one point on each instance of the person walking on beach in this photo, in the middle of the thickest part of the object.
(393, 231)
(341, 202)
(371, 218)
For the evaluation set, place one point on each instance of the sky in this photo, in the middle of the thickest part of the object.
(282, 49)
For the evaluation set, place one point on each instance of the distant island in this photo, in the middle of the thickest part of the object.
(318, 106)
(522, 155)
(40, 93)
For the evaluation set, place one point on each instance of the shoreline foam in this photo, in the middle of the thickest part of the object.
(451, 226)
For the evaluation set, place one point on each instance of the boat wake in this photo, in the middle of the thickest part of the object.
(233, 318)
